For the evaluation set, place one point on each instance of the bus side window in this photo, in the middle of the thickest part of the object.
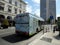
(39, 23)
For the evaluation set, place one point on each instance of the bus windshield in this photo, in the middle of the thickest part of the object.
(22, 19)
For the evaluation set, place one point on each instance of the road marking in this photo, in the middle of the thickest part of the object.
(36, 40)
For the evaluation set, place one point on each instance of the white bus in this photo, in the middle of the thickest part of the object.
(27, 24)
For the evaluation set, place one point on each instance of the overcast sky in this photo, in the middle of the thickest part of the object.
(33, 6)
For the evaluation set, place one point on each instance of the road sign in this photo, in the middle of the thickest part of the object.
(51, 17)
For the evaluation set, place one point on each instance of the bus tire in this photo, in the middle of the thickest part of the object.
(17, 33)
(37, 30)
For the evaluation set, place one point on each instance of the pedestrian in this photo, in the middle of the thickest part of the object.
(43, 29)
(48, 29)
(0, 25)
(54, 29)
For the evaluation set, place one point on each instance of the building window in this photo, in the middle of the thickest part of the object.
(15, 10)
(9, 17)
(24, 7)
(20, 11)
(15, 3)
(20, 5)
(10, 1)
(2, 17)
(23, 11)
(38, 23)
(9, 9)
(2, 6)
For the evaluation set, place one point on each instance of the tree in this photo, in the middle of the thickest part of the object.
(48, 21)
(55, 21)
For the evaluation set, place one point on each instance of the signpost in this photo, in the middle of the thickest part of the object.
(51, 17)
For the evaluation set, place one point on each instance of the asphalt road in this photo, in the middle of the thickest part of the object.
(8, 37)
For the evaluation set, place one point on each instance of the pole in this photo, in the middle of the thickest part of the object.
(51, 24)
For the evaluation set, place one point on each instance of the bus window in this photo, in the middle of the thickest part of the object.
(38, 22)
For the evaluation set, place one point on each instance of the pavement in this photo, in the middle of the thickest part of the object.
(7, 30)
(48, 38)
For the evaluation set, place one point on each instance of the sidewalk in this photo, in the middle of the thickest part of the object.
(8, 28)
(48, 38)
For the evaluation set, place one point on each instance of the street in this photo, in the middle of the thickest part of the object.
(8, 37)
(37, 22)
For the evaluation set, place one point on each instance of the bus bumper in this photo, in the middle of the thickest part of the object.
(22, 33)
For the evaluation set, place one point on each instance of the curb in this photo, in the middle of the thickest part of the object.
(36, 40)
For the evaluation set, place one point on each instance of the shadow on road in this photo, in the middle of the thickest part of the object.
(57, 37)
(14, 38)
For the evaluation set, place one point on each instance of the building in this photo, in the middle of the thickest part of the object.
(12, 7)
(48, 9)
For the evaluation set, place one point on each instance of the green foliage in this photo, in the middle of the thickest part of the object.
(55, 21)
(5, 22)
(48, 21)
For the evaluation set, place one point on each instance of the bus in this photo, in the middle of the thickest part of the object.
(27, 24)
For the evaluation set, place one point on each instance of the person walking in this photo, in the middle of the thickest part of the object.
(0, 25)
(54, 29)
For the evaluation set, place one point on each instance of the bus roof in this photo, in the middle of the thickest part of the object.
(33, 15)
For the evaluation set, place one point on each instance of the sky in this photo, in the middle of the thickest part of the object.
(33, 6)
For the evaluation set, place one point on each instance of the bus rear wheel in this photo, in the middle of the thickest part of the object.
(37, 30)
